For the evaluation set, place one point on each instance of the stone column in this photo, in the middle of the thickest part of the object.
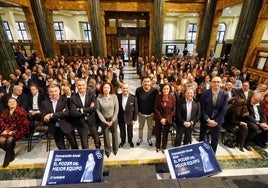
(8, 62)
(205, 27)
(158, 22)
(39, 13)
(95, 25)
(244, 32)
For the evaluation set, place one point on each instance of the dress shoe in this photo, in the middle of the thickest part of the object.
(131, 145)
(241, 149)
(262, 145)
(150, 142)
(157, 150)
(107, 154)
(139, 141)
(121, 144)
(115, 152)
(248, 148)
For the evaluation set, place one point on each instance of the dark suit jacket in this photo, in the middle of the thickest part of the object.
(181, 112)
(22, 100)
(88, 112)
(209, 111)
(251, 117)
(241, 94)
(164, 112)
(62, 111)
(131, 110)
(40, 99)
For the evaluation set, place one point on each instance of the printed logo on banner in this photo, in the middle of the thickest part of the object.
(73, 166)
(195, 160)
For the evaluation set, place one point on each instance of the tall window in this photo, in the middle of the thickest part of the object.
(221, 32)
(58, 28)
(22, 31)
(8, 32)
(192, 29)
(87, 31)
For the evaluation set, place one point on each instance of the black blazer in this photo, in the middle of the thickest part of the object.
(131, 109)
(251, 118)
(181, 112)
(89, 113)
(62, 112)
(22, 100)
(40, 99)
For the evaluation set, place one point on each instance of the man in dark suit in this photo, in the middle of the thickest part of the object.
(257, 122)
(245, 92)
(214, 106)
(244, 75)
(18, 94)
(127, 116)
(83, 109)
(55, 110)
(35, 99)
(188, 113)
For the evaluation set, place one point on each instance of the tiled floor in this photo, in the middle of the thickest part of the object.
(231, 160)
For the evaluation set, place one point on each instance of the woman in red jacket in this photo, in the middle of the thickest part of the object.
(13, 126)
(164, 110)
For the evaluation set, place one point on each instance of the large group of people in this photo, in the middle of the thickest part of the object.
(82, 95)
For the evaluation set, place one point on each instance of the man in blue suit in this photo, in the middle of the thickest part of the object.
(214, 105)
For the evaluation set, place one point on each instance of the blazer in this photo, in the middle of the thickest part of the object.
(164, 112)
(241, 94)
(181, 112)
(62, 111)
(22, 100)
(88, 113)
(251, 117)
(217, 111)
(131, 110)
(40, 99)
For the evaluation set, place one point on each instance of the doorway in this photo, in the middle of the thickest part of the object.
(127, 43)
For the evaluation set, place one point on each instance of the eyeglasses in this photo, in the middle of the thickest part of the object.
(216, 82)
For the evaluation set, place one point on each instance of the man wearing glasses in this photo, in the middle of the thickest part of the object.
(214, 105)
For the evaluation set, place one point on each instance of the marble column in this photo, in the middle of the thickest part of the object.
(205, 28)
(158, 22)
(95, 25)
(39, 13)
(244, 32)
(8, 62)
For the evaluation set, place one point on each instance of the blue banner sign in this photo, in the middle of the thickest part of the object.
(195, 160)
(73, 166)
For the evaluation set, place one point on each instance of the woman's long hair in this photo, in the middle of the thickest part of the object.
(239, 105)
(7, 110)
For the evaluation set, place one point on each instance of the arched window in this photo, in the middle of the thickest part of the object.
(221, 32)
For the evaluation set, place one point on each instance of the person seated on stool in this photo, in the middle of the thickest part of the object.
(188, 113)
(55, 111)
(235, 121)
(257, 122)
(14, 125)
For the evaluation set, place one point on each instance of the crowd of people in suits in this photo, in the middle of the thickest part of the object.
(83, 95)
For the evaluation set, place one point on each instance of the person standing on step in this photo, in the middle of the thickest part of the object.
(164, 110)
(83, 110)
(214, 106)
(127, 116)
(107, 110)
(146, 96)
